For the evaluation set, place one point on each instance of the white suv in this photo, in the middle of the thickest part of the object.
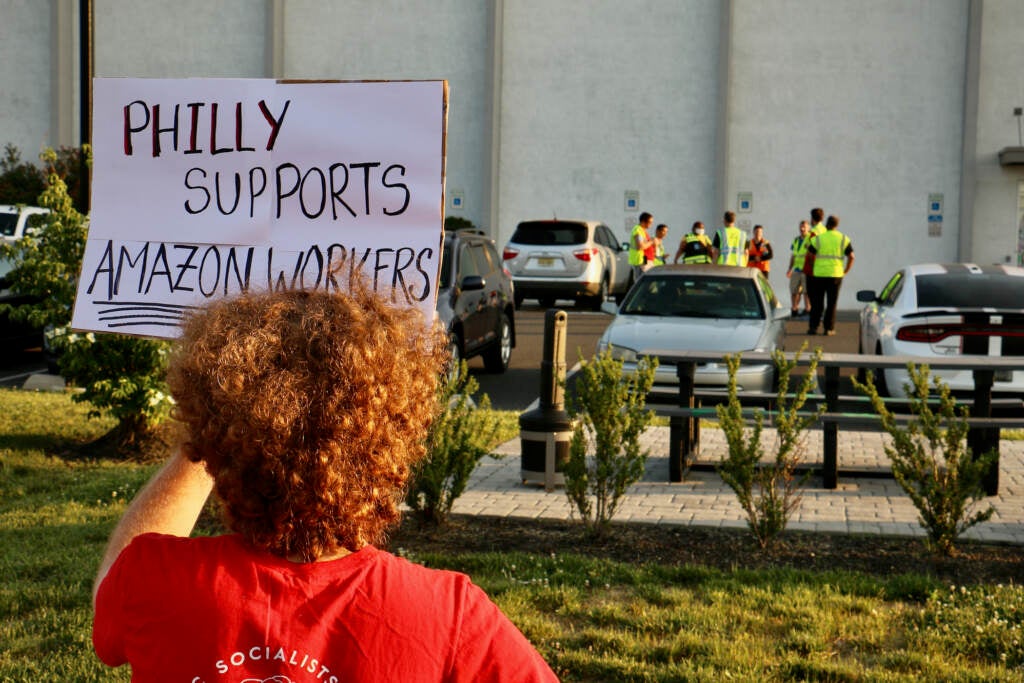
(567, 259)
(14, 223)
(14, 220)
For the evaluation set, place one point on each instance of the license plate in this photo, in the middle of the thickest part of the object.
(546, 262)
(1004, 375)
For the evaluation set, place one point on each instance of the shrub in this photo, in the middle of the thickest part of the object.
(931, 460)
(453, 223)
(119, 376)
(768, 493)
(458, 439)
(609, 415)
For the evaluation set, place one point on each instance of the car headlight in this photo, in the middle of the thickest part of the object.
(623, 354)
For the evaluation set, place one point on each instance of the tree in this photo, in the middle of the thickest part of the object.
(119, 375)
(21, 182)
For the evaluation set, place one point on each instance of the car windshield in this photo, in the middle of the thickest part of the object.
(550, 233)
(970, 290)
(694, 296)
(8, 224)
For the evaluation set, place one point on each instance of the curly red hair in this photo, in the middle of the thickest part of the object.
(309, 409)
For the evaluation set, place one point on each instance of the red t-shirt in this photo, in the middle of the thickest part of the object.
(212, 610)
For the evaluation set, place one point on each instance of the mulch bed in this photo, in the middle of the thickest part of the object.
(725, 549)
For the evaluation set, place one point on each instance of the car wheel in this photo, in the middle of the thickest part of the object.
(883, 388)
(547, 301)
(496, 358)
(454, 355)
(602, 295)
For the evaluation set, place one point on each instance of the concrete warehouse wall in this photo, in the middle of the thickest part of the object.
(867, 108)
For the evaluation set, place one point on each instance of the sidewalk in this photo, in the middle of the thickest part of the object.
(860, 505)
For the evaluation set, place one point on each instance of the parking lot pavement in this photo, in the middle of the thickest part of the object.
(860, 505)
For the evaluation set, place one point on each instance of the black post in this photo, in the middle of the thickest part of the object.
(85, 58)
(684, 432)
(830, 436)
(545, 432)
(981, 440)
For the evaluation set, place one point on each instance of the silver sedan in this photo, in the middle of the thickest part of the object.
(672, 309)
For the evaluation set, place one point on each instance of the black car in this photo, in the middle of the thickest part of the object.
(475, 300)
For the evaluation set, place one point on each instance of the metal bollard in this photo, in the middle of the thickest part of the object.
(546, 431)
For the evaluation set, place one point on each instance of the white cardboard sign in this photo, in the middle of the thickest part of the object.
(205, 188)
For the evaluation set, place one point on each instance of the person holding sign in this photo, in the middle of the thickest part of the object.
(303, 412)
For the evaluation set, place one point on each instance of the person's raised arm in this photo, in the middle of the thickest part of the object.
(169, 504)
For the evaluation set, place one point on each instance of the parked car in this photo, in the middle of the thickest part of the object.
(676, 308)
(475, 300)
(936, 310)
(15, 222)
(567, 259)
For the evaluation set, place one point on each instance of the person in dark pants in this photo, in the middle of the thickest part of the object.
(825, 261)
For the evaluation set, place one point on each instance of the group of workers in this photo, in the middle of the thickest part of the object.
(820, 257)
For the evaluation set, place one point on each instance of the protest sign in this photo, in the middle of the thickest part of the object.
(206, 188)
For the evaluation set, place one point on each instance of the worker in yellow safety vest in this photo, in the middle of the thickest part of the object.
(695, 247)
(795, 271)
(640, 245)
(729, 245)
(825, 261)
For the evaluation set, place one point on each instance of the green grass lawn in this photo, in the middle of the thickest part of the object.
(593, 620)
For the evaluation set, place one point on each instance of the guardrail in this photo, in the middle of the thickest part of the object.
(983, 433)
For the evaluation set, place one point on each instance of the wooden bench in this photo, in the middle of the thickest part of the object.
(983, 435)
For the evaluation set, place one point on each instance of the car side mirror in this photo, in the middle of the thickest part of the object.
(471, 283)
(609, 307)
(867, 296)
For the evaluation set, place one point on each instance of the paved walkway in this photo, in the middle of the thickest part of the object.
(860, 505)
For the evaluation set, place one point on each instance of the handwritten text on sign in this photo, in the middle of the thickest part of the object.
(209, 187)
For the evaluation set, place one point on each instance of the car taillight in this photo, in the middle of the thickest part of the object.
(585, 254)
(509, 253)
(932, 334)
(923, 334)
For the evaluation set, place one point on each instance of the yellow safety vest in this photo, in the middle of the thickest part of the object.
(731, 243)
(799, 249)
(699, 252)
(829, 249)
(636, 256)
